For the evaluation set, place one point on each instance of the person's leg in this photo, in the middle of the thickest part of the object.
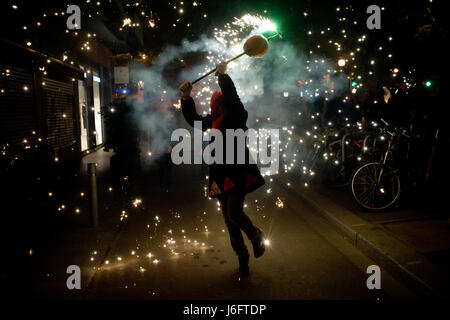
(235, 204)
(237, 241)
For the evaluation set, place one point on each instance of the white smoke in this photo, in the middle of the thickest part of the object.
(259, 81)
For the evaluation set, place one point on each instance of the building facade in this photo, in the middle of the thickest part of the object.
(50, 111)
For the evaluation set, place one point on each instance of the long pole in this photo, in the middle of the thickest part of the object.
(214, 70)
(232, 59)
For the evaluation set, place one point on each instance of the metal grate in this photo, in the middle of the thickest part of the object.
(18, 118)
(59, 103)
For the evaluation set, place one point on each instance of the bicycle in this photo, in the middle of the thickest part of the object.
(354, 146)
(338, 151)
(376, 186)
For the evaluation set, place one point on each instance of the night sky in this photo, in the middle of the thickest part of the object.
(193, 18)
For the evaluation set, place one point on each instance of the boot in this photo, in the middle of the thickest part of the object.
(258, 244)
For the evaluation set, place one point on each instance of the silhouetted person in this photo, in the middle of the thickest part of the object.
(229, 182)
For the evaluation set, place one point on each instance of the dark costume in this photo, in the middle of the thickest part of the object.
(227, 176)
(234, 180)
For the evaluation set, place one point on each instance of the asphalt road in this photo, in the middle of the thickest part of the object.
(174, 246)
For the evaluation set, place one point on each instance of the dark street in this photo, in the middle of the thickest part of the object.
(224, 159)
(173, 245)
(301, 263)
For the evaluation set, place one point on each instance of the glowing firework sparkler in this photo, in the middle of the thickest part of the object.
(255, 46)
(229, 42)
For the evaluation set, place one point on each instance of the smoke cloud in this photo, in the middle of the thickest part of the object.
(262, 84)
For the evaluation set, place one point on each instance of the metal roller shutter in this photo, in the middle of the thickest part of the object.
(18, 117)
(59, 104)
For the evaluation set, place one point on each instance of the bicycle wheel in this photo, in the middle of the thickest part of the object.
(375, 187)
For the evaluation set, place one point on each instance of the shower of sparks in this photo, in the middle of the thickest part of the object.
(136, 202)
(229, 42)
(279, 203)
(126, 22)
(169, 233)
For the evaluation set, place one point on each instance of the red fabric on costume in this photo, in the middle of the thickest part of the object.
(216, 105)
(217, 123)
(216, 100)
(228, 184)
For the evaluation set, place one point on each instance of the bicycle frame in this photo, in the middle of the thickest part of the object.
(386, 155)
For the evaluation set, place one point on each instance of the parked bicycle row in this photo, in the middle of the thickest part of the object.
(377, 162)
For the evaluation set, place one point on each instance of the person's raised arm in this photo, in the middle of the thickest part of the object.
(232, 105)
(188, 107)
(225, 82)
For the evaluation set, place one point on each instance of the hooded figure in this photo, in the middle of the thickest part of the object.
(229, 182)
